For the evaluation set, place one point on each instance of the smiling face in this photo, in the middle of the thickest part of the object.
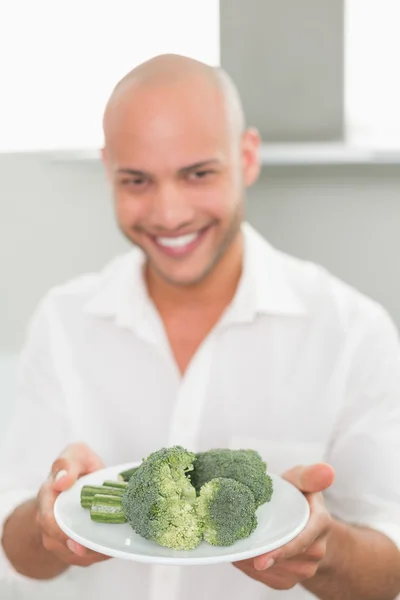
(179, 169)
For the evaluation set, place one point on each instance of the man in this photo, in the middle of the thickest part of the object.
(206, 336)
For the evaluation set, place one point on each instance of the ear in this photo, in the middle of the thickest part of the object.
(251, 166)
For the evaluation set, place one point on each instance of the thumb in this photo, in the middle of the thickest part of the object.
(312, 478)
(76, 460)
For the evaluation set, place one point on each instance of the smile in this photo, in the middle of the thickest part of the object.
(182, 245)
(177, 242)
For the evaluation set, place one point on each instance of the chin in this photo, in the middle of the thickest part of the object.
(182, 279)
(188, 272)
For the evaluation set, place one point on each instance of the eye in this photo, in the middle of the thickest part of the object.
(203, 174)
(136, 182)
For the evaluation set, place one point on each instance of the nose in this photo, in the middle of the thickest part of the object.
(171, 208)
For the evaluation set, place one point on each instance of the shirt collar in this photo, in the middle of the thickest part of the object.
(121, 292)
(264, 287)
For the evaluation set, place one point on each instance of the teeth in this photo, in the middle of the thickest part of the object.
(178, 242)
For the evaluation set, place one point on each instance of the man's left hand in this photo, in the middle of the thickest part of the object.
(300, 559)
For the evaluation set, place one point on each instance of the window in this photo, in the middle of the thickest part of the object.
(372, 101)
(60, 60)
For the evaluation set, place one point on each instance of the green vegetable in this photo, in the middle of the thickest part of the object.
(119, 485)
(88, 492)
(126, 475)
(176, 498)
(227, 511)
(245, 466)
(159, 501)
(107, 509)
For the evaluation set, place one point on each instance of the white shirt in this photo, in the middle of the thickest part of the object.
(301, 367)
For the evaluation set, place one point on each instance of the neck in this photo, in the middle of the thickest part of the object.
(216, 289)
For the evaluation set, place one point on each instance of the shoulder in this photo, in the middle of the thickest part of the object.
(75, 294)
(326, 296)
(329, 302)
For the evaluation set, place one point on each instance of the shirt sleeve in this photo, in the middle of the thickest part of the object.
(39, 429)
(365, 448)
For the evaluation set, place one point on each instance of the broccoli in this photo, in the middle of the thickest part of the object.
(245, 466)
(161, 504)
(227, 511)
(159, 501)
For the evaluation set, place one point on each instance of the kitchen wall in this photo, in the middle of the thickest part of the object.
(287, 59)
(346, 218)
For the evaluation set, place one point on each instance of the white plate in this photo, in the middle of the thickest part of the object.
(279, 521)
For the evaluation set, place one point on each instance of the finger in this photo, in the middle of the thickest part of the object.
(76, 460)
(47, 522)
(312, 479)
(294, 570)
(290, 571)
(45, 512)
(276, 577)
(280, 576)
(84, 561)
(314, 553)
(317, 527)
(84, 557)
(317, 550)
(84, 552)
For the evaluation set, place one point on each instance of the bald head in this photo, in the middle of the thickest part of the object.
(179, 160)
(185, 76)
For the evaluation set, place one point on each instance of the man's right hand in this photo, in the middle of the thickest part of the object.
(75, 461)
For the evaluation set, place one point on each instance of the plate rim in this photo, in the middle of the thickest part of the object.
(184, 561)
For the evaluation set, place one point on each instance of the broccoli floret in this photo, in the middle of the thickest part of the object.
(159, 501)
(227, 511)
(245, 466)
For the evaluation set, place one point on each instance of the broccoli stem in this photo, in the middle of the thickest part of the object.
(126, 475)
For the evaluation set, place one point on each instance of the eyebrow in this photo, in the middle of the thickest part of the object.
(199, 165)
(182, 171)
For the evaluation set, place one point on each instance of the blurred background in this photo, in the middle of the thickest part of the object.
(319, 79)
